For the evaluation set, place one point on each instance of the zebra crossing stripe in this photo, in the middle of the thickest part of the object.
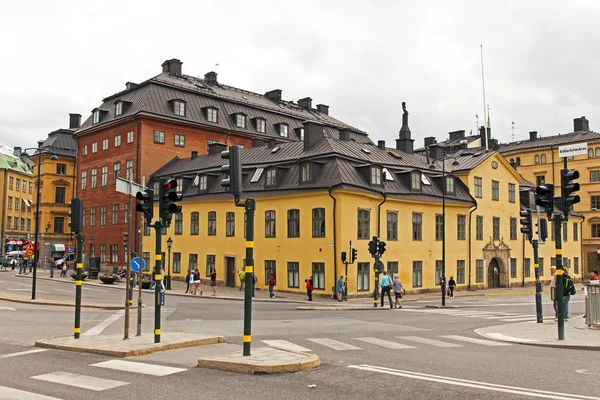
(80, 381)
(333, 344)
(431, 342)
(503, 316)
(10, 393)
(521, 319)
(138, 367)
(475, 340)
(284, 344)
(385, 343)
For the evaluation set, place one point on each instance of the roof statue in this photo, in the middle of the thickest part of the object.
(404, 108)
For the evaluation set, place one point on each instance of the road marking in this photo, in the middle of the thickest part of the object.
(521, 319)
(22, 353)
(333, 344)
(63, 290)
(80, 381)
(473, 384)
(95, 290)
(284, 344)
(26, 290)
(138, 367)
(10, 393)
(475, 340)
(431, 342)
(385, 343)
(500, 336)
(503, 316)
(104, 324)
(585, 372)
(7, 309)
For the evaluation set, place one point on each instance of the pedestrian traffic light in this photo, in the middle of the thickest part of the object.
(144, 204)
(344, 256)
(542, 231)
(526, 223)
(167, 198)
(125, 239)
(354, 255)
(567, 187)
(544, 197)
(233, 171)
(76, 215)
(373, 246)
(381, 248)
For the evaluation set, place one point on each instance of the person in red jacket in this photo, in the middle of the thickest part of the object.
(309, 287)
(271, 285)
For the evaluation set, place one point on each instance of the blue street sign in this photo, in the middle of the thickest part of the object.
(69, 249)
(162, 298)
(135, 264)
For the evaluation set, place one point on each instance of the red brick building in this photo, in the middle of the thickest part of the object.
(138, 130)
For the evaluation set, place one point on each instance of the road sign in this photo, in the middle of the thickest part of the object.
(70, 243)
(572, 150)
(70, 249)
(128, 187)
(29, 246)
(28, 253)
(135, 264)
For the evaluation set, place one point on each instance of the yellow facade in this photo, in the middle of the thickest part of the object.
(16, 183)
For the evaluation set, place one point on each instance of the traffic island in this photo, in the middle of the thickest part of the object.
(264, 360)
(115, 346)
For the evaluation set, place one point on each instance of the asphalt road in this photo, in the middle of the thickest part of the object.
(415, 352)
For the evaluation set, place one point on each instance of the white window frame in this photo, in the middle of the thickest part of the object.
(212, 115)
(118, 108)
(105, 144)
(117, 140)
(179, 108)
(240, 120)
(130, 137)
(284, 130)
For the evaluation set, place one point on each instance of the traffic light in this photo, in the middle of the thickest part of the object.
(168, 197)
(381, 248)
(76, 215)
(373, 246)
(545, 198)
(344, 256)
(567, 187)
(526, 223)
(144, 204)
(353, 256)
(126, 240)
(542, 229)
(233, 181)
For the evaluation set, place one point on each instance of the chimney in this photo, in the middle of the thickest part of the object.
(457, 135)
(17, 151)
(323, 109)
(344, 134)
(494, 144)
(74, 121)
(381, 144)
(130, 85)
(305, 103)
(194, 155)
(533, 135)
(274, 95)
(216, 148)
(172, 66)
(581, 125)
(404, 141)
(435, 151)
(429, 141)
(272, 143)
(257, 142)
(483, 136)
(210, 78)
(313, 134)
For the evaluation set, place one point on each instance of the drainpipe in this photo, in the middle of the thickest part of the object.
(379, 215)
(470, 241)
(552, 151)
(330, 189)
(580, 238)
(523, 258)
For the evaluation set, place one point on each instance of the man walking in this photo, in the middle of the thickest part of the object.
(242, 276)
(339, 288)
(553, 289)
(271, 285)
(386, 284)
(568, 290)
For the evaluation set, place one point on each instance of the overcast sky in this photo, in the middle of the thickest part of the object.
(362, 58)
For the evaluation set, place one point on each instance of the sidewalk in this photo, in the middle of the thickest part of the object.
(577, 334)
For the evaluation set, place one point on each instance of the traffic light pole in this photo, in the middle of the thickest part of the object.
(538, 284)
(560, 312)
(78, 280)
(157, 282)
(376, 293)
(249, 206)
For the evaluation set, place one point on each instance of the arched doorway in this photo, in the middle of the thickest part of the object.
(496, 273)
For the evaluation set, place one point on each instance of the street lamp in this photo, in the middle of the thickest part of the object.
(168, 277)
(53, 157)
(444, 186)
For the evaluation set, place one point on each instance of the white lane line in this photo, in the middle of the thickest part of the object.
(431, 342)
(473, 384)
(80, 381)
(284, 344)
(475, 340)
(10, 393)
(138, 368)
(94, 290)
(521, 319)
(333, 344)
(7, 309)
(499, 336)
(480, 315)
(384, 343)
(104, 324)
(22, 353)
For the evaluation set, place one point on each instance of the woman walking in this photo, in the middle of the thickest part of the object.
(398, 289)
(187, 280)
(196, 280)
(451, 286)
(213, 280)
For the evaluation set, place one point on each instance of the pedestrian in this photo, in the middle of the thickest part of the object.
(196, 279)
(553, 289)
(309, 287)
(162, 280)
(152, 280)
(13, 264)
(568, 291)
(271, 285)
(52, 270)
(187, 280)
(213, 280)
(595, 276)
(339, 288)
(22, 267)
(398, 289)
(254, 280)
(242, 275)
(451, 286)
(386, 286)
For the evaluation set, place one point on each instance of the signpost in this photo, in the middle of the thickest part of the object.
(570, 150)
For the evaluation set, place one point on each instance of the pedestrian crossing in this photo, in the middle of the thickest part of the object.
(484, 315)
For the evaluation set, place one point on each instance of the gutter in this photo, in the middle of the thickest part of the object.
(329, 190)
(470, 241)
(379, 215)
(580, 238)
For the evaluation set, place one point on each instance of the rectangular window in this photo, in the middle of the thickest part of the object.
(541, 266)
(179, 140)
(146, 256)
(364, 276)
(117, 170)
(513, 229)
(511, 193)
(178, 224)
(115, 214)
(129, 170)
(195, 223)
(271, 268)
(438, 271)
(240, 122)
(527, 267)
(176, 262)
(283, 130)
(479, 228)
(104, 179)
(9, 205)
(479, 271)
(392, 268)
(575, 265)
(307, 173)
(61, 169)
(179, 108)
(24, 186)
(575, 231)
(439, 227)
(103, 216)
(260, 125)
(212, 114)
(60, 194)
(17, 203)
(203, 183)
(478, 187)
(130, 137)
(513, 267)
(10, 182)
(192, 262)
(417, 274)
(85, 150)
(146, 229)
(271, 177)
(16, 225)
(159, 137)
(553, 261)
(83, 216)
(540, 180)
(318, 274)
(495, 190)
(83, 180)
(59, 225)
(230, 224)
(460, 271)
(94, 147)
(595, 230)
(595, 202)
(96, 117)
(415, 181)
(364, 224)
(93, 216)
(318, 222)
(565, 231)
(28, 224)
(9, 222)
(18, 185)
(102, 253)
(30, 187)
(553, 233)
(496, 228)
(375, 176)
(595, 176)
(270, 226)
(210, 263)
(392, 225)
(94, 178)
(461, 233)
(293, 270)
(114, 253)
(105, 144)
(417, 226)
(117, 140)
(293, 223)
(212, 223)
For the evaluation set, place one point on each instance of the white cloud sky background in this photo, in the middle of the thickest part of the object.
(362, 58)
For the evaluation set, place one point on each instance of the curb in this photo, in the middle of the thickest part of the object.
(62, 304)
(434, 306)
(341, 308)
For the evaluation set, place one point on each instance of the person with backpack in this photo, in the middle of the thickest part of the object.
(271, 285)
(309, 287)
(451, 286)
(568, 291)
(187, 280)
(386, 286)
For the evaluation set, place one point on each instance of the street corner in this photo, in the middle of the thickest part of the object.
(263, 360)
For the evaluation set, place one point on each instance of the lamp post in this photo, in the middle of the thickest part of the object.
(444, 187)
(168, 277)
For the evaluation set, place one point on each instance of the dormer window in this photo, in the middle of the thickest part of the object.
(449, 184)
(179, 107)
(284, 130)
(375, 176)
(96, 117)
(260, 125)
(271, 177)
(240, 120)
(118, 108)
(203, 183)
(307, 173)
(212, 114)
(415, 181)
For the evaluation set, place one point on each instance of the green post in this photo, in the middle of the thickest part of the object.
(157, 282)
(377, 271)
(560, 312)
(250, 207)
(78, 280)
(345, 292)
(538, 283)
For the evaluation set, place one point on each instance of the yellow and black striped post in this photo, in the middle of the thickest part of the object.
(78, 281)
(538, 284)
(560, 311)
(157, 282)
(249, 206)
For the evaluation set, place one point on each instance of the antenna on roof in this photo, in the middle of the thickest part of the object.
(216, 65)
(483, 86)
(513, 131)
